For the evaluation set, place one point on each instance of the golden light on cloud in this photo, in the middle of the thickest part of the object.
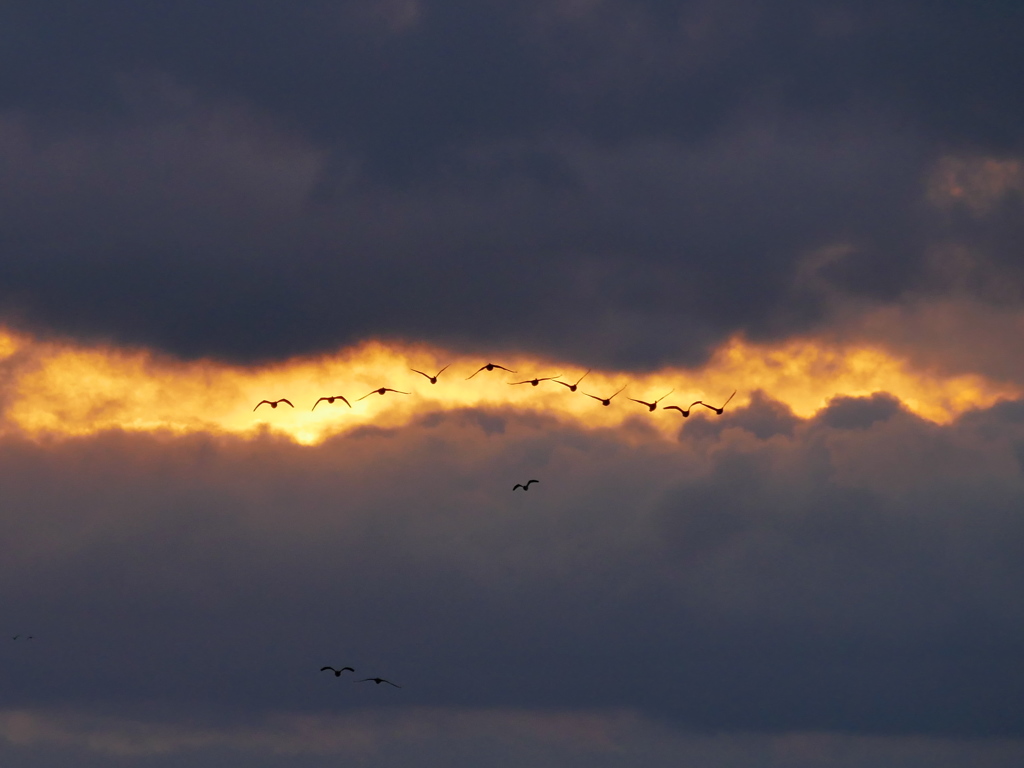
(61, 389)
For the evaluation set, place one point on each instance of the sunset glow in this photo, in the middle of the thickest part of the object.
(60, 389)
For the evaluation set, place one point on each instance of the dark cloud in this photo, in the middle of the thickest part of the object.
(617, 183)
(860, 580)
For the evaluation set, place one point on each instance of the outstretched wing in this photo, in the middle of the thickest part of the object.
(261, 402)
(421, 373)
(284, 400)
(482, 367)
(344, 400)
(389, 682)
(315, 405)
(518, 485)
(442, 370)
(324, 669)
(371, 392)
(528, 483)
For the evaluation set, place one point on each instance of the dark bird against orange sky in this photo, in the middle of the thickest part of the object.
(432, 379)
(534, 382)
(604, 400)
(684, 411)
(573, 387)
(524, 487)
(273, 403)
(330, 400)
(377, 680)
(381, 391)
(337, 672)
(718, 410)
(652, 406)
(489, 367)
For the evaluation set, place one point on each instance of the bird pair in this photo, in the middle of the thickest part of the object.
(377, 680)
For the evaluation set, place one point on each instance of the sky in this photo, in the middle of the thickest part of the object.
(816, 205)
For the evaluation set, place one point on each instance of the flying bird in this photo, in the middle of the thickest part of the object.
(377, 680)
(433, 379)
(337, 672)
(604, 400)
(524, 487)
(572, 387)
(534, 382)
(330, 401)
(273, 403)
(381, 391)
(718, 410)
(490, 367)
(652, 406)
(684, 411)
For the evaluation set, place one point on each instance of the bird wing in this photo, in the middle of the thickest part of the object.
(400, 392)
(348, 668)
(595, 397)
(532, 481)
(442, 370)
(504, 368)
(324, 669)
(730, 398)
(640, 401)
(581, 378)
(345, 400)
(421, 373)
(518, 485)
(476, 372)
(261, 402)
(285, 400)
(389, 682)
(513, 383)
(371, 392)
(317, 403)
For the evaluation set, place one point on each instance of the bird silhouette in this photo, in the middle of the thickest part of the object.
(433, 379)
(536, 381)
(330, 400)
(524, 487)
(572, 387)
(604, 400)
(15, 637)
(337, 672)
(273, 403)
(718, 410)
(377, 680)
(381, 391)
(652, 406)
(489, 367)
(684, 411)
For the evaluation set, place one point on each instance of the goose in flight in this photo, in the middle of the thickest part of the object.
(377, 680)
(718, 410)
(432, 379)
(273, 403)
(572, 387)
(534, 382)
(330, 401)
(381, 391)
(337, 672)
(684, 411)
(524, 487)
(652, 406)
(604, 400)
(490, 367)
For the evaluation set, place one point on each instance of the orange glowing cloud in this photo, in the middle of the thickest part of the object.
(62, 389)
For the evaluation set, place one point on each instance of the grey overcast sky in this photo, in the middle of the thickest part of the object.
(221, 188)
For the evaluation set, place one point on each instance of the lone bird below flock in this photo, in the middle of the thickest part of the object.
(431, 379)
(489, 367)
(337, 672)
(330, 401)
(652, 406)
(524, 487)
(377, 680)
(381, 391)
(273, 403)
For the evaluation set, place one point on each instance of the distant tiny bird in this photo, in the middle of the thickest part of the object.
(432, 379)
(572, 387)
(377, 680)
(719, 410)
(490, 367)
(604, 400)
(652, 406)
(337, 672)
(381, 391)
(330, 401)
(15, 637)
(684, 411)
(536, 381)
(273, 403)
(524, 487)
